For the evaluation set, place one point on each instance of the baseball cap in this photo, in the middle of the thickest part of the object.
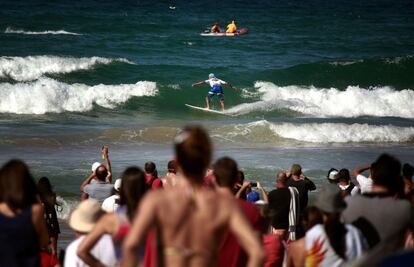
(95, 165)
(211, 75)
(332, 175)
(117, 184)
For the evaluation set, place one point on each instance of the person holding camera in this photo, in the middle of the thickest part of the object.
(231, 253)
(296, 178)
(102, 187)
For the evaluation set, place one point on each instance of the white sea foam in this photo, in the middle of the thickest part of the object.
(345, 63)
(21, 31)
(48, 95)
(33, 67)
(352, 102)
(318, 132)
(65, 207)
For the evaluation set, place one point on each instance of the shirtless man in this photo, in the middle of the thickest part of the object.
(190, 219)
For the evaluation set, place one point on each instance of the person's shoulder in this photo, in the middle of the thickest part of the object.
(153, 197)
(37, 209)
(157, 182)
(316, 230)
(73, 246)
(361, 177)
(247, 206)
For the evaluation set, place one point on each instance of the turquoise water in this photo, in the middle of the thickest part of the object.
(322, 83)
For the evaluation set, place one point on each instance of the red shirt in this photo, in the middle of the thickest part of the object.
(157, 183)
(274, 251)
(231, 254)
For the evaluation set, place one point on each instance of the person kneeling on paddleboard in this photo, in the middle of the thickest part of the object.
(216, 89)
(215, 28)
(232, 28)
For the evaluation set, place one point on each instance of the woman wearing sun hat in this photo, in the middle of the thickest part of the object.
(83, 219)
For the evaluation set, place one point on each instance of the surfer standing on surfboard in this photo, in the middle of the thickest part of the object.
(216, 89)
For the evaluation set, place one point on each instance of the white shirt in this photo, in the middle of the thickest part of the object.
(319, 250)
(214, 82)
(103, 250)
(365, 183)
(354, 190)
(109, 204)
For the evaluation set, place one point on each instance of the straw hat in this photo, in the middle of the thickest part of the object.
(84, 217)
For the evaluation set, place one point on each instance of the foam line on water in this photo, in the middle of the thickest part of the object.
(22, 31)
(33, 67)
(316, 132)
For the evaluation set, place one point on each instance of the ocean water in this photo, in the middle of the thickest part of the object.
(320, 83)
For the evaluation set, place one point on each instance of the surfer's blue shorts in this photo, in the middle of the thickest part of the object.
(220, 95)
(216, 90)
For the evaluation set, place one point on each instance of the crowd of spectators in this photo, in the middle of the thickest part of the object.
(206, 214)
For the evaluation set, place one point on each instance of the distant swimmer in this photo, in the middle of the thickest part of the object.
(215, 28)
(232, 28)
(216, 89)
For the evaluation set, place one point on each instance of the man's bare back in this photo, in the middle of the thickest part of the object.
(190, 224)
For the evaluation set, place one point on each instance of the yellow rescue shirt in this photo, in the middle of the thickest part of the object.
(231, 28)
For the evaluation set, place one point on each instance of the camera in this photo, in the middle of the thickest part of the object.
(253, 184)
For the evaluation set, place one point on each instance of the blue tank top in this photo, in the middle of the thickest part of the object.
(19, 245)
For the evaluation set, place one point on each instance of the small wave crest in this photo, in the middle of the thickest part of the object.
(352, 102)
(21, 31)
(48, 95)
(264, 131)
(33, 67)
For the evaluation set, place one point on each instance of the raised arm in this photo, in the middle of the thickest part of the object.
(87, 181)
(105, 155)
(246, 236)
(242, 189)
(360, 170)
(263, 193)
(105, 225)
(142, 223)
(197, 84)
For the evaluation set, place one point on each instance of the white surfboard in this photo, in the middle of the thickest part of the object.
(206, 109)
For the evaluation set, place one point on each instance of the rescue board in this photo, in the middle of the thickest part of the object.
(241, 32)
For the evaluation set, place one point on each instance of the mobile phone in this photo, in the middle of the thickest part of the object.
(253, 184)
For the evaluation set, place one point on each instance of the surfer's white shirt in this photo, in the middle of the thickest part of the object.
(214, 82)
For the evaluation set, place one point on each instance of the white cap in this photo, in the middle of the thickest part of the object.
(95, 166)
(117, 184)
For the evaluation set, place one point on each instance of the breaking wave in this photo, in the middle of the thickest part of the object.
(319, 102)
(48, 95)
